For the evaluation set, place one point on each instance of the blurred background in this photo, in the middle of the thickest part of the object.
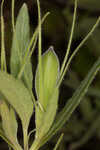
(82, 131)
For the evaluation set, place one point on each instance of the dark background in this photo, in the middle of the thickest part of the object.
(83, 128)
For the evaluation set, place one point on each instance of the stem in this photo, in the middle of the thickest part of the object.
(3, 57)
(70, 40)
(40, 55)
(35, 145)
(13, 19)
(25, 139)
(58, 142)
(29, 46)
(77, 49)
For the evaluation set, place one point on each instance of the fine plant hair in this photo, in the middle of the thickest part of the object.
(16, 95)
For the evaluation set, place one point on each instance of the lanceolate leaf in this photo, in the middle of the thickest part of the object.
(50, 74)
(45, 119)
(5, 139)
(18, 96)
(13, 121)
(73, 102)
(20, 41)
(9, 124)
(2, 135)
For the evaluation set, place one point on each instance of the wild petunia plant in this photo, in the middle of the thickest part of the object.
(16, 95)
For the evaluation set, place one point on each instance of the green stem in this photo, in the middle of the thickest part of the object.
(40, 55)
(25, 139)
(3, 57)
(76, 50)
(58, 142)
(35, 145)
(29, 46)
(70, 40)
(13, 19)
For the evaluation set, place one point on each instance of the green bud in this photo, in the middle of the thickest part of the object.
(49, 103)
(50, 74)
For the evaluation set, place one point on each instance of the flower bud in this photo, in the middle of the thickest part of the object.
(50, 75)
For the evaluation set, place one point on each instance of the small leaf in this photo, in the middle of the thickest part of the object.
(21, 38)
(13, 121)
(2, 135)
(8, 124)
(50, 73)
(18, 96)
(46, 118)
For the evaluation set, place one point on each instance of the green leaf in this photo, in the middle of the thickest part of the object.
(13, 121)
(49, 103)
(45, 119)
(18, 96)
(2, 135)
(73, 102)
(20, 41)
(5, 139)
(50, 74)
(9, 124)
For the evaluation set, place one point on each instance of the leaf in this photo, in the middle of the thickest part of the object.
(20, 41)
(73, 102)
(2, 135)
(18, 96)
(5, 139)
(49, 103)
(13, 121)
(45, 119)
(8, 124)
(50, 74)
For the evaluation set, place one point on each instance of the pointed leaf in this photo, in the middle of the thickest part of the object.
(18, 96)
(20, 43)
(2, 135)
(13, 121)
(50, 73)
(49, 103)
(46, 118)
(8, 126)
